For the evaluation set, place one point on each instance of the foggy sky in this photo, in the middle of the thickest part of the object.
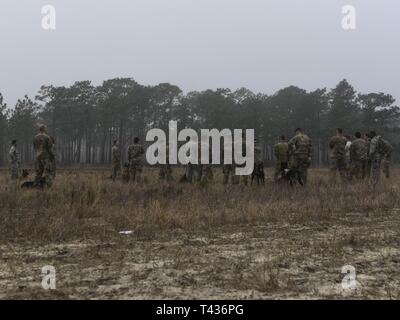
(263, 45)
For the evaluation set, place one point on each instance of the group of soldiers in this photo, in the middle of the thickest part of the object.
(354, 158)
(359, 157)
(45, 159)
(134, 168)
(295, 154)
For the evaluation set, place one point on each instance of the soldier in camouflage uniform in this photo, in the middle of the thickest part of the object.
(135, 158)
(281, 152)
(300, 153)
(378, 150)
(386, 159)
(192, 169)
(53, 160)
(368, 167)
(228, 170)
(43, 146)
(198, 171)
(258, 158)
(165, 172)
(337, 145)
(347, 157)
(207, 174)
(15, 160)
(358, 157)
(189, 169)
(258, 171)
(204, 171)
(116, 160)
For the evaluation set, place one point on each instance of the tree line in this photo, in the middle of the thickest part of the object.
(84, 119)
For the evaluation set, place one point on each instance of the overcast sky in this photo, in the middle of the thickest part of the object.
(263, 45)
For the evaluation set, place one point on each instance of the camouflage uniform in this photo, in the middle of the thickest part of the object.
(337, 145)
(53, 166)
(386, 159)
(281, 152)
(258, 159)
(258, 170)
(198, 171)
(165, 172)
(43, 146)
(228, 170)
(300, 152)
(207, 173)
(377, 153)
(358, 158)
(116, 162)
(192, 169)
(189, 172)
(135, 155)
(14, 159)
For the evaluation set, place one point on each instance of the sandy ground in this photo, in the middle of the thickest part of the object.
(251, 262)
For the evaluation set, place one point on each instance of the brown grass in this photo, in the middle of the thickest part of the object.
(272, 241)
(89, 205)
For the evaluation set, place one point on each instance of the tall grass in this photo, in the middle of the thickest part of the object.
(89, 205)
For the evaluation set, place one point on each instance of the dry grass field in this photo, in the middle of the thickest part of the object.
(196, 241)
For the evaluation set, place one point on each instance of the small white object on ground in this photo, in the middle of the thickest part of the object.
(126, 232)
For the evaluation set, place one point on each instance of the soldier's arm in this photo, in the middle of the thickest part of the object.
(291, 145)
(49, 146)
(388, 148)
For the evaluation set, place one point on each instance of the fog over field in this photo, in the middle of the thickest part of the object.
(111, 110)
(263, 45)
